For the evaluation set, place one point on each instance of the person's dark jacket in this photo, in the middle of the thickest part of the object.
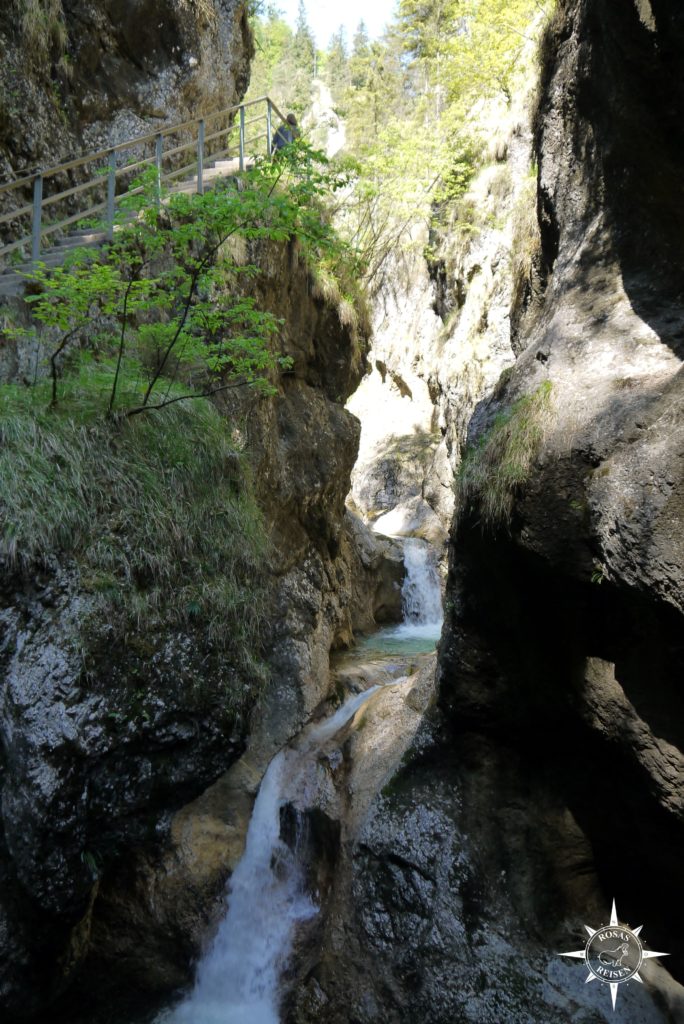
(283, 137)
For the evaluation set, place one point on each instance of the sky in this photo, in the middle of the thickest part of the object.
(326, 16)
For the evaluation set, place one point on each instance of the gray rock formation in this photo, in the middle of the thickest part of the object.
(588, 570)
(78, 76)
(442, 334)
(548, 781)
(376, 575)
(104, 738)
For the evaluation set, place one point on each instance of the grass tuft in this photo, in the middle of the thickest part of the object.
(526, 242)
(493, 470)
(338, 287)
(43, 29)
(157, 512)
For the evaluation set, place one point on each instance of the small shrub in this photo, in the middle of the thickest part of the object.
(493, 470)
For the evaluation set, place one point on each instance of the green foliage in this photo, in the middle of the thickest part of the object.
(493, 470)
(157, 510)
(337, 69)
(166, 301)
(426, 26)
(283, 66)
(407, 102)
(359, 56)
(311, 183)
(158, 513)
(599, 574)
(469, 47)
(408, 111)
(303, 46)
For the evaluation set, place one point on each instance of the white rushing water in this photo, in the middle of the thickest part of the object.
(238, 978)
(421, 593)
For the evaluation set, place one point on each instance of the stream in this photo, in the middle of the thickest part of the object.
(238, 979)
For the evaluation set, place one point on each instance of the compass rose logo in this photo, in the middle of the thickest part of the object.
(613, 954)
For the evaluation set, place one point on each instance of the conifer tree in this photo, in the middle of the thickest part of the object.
(337, 64)
(303, 46)
(302, 57)
(360, 57)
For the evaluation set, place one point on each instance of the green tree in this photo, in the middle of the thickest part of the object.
(484, 52)
(360, 55)
(273, 66)
(426, 25)
(162, 313)
(303, 45)
(337, 64)
(300, 60)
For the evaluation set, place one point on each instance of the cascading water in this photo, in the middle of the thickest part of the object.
(421, 593)
(422, 606)
(238, 978)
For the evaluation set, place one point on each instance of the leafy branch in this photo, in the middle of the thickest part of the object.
(166, 300)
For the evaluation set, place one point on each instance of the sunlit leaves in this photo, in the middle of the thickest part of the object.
(165, 302)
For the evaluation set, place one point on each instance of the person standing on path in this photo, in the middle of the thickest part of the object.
(286, 133)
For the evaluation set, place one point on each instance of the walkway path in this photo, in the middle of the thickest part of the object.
(94, 198)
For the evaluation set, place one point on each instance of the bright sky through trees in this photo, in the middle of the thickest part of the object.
(326, 16)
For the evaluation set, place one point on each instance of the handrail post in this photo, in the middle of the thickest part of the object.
(242, 137)
(111, 194)
(159, 148)
(200, 158)
(37, 216)
(269, 142)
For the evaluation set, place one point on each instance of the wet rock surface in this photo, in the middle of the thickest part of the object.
(376, 565)
(434, 919)
(95, 752)
(107, 893)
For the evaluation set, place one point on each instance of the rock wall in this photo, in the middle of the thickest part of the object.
(547, 781)
(97, 749)
(102, 746)
(78, 76)
(587, 573)
(442, 311)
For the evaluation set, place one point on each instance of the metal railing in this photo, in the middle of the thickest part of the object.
(216, 136)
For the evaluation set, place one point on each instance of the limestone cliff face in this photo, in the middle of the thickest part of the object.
(76, 76)
(548, 778)
(97, 744)
(103, 744)
(571, 630)
(441, 338)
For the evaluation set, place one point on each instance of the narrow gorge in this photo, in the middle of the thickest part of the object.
(347, 688)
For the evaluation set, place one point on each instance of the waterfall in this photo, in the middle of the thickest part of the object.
(421, 593)
(238, 978)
